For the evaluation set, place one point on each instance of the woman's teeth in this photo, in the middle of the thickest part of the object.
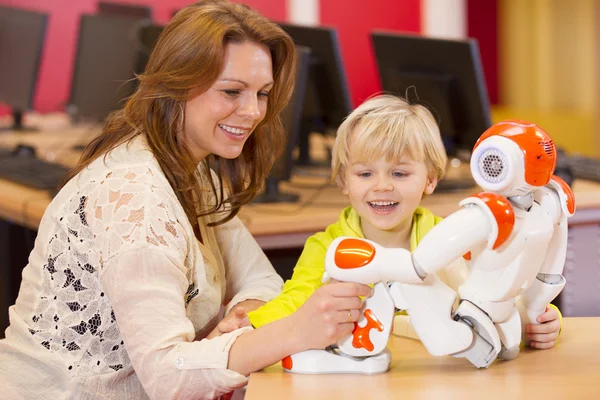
(235, 131)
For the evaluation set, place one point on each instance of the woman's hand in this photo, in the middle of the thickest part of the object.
(329, 314)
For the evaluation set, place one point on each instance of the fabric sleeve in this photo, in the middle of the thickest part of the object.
(306, 278)
(146, 288)
(249, 273)
(143, 242)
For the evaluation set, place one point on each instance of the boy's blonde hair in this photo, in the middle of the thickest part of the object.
(388, 126)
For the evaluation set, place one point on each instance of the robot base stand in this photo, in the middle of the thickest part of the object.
(328, 362)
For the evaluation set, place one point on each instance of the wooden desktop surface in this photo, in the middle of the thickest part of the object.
(285, 225)
(568, 371)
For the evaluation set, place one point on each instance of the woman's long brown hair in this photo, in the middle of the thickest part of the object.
(187, 60)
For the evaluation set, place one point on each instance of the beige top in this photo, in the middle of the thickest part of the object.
(117, 289)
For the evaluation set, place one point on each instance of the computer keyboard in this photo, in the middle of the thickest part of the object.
(585, 167)
(31, 171)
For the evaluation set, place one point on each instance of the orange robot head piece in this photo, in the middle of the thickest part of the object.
(513, 157)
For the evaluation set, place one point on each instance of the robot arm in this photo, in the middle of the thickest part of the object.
(558, 201)
(453, 237)
(363, 261)
(550, 201)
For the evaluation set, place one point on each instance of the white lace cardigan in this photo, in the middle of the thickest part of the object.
(117, 288)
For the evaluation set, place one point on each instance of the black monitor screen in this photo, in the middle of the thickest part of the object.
(327, 94)
(107, 56)
(21, 41)
(292, 115)
(444, 75)
(291, 118)
(125, 9)
(147, 36)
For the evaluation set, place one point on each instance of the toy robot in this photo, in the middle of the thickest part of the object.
(513, 237)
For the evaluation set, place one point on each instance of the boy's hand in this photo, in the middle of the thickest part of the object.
(236, 319)
(544, 335)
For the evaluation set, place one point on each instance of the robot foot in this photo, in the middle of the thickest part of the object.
(481, 353)
(329, 362)
(509, 354)
(486, 343)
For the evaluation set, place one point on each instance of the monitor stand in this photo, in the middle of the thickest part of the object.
(273, 195)
(304, 159)
(455, 185)
(17, 125)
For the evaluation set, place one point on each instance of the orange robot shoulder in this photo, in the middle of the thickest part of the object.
(499, 210)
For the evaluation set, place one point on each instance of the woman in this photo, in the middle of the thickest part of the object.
(141, 248)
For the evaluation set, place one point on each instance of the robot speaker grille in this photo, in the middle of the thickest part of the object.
(492, 166)
(548, 147)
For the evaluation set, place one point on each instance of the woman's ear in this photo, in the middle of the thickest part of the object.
(430, 186)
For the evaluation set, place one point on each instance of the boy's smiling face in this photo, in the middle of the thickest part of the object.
(386, 194)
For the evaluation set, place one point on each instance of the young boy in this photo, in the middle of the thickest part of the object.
(387, 156)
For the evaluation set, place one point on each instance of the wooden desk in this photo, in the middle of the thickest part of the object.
(568, 371)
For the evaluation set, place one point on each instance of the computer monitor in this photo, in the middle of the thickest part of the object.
(445, 75)
(130, 10)
(327, 100)
(147, 37)
(290, 118)
(106, 59)
(21, 40)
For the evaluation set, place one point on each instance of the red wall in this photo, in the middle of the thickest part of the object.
(354, 20)
(54, 79)
(482, 19)
(55, 69)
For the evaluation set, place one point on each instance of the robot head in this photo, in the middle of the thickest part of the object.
(513, 157)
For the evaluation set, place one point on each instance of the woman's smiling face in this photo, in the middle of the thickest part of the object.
(220, 120)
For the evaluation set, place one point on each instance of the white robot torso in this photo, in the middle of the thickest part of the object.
(497, 276)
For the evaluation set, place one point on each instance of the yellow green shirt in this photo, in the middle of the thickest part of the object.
(311, 264)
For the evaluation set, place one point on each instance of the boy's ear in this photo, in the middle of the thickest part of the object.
(430, 186)
(341, 183)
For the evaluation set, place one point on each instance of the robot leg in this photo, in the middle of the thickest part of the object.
(362, 352)
(429, 305)
(510, 335)
(486, 344)
(374, 326)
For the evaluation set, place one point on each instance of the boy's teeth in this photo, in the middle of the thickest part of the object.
(383, 203)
